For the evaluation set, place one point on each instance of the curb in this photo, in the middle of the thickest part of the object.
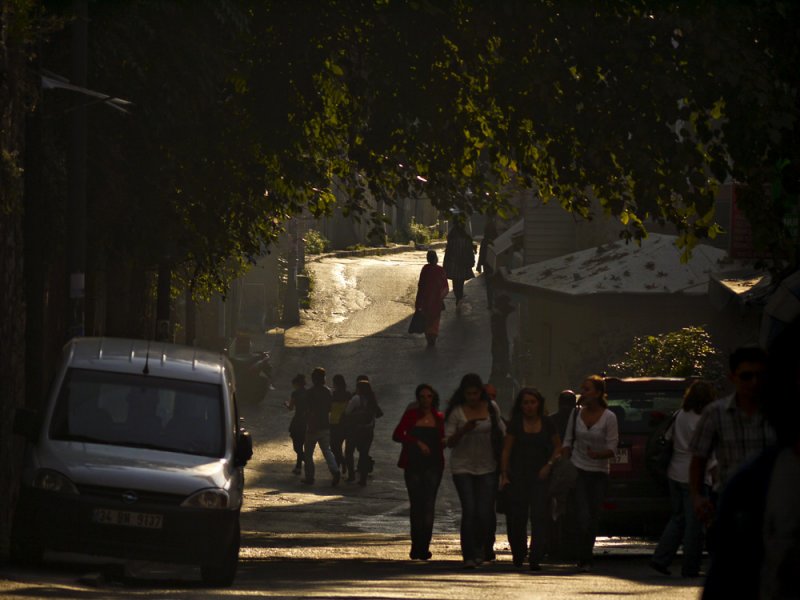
(376, 251)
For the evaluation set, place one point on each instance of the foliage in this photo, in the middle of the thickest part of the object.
(420, 233)
(688, 352)
(315, 242)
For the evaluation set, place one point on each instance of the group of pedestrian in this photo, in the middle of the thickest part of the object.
(340, 422)
(494, 460)
(749, 509)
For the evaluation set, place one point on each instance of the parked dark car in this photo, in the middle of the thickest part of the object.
(637, 502)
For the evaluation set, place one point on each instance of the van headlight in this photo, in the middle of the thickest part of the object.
(212, 498)
(53, 481)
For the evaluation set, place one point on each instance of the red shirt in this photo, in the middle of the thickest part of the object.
(407, 422)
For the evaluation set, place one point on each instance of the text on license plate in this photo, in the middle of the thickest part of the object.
(126, 518)
(622, 457)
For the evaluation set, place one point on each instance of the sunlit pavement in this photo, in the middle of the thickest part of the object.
(349, 541)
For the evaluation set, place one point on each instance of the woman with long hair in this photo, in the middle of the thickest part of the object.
(531, 447)
(360, 415)
(421, 431)
(474, 431)
(591, 448)
(683, 527)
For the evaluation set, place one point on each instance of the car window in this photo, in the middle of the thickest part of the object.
(140, 411)
(640, 411)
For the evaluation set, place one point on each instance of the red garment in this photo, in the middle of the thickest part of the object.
(431, 290)
(407, 422)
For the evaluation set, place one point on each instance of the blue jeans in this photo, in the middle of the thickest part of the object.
(323, 438)
(590, 490)
(477, 495)
(682, 528)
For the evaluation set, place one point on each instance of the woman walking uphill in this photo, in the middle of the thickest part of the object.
(360, 415)
(531, 447)
(459, 258)
(590, 448)
(297, 427)
(431, 290)
(474, 430)
(421, 431)
(341, 396)
(683, 526)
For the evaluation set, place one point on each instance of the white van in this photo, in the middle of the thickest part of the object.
(139, 455)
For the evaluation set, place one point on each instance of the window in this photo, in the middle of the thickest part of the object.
(140, 411)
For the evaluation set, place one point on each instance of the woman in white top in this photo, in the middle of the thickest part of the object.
(474, 430)
(590, 444)
(683, 526)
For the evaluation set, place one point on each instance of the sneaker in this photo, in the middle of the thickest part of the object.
(478, 562)
(425, 555)
(469, 564)
(660, 568)
(518, 562)
(336, 478)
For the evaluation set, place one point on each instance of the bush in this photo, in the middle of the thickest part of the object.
(315, 242)
(688, 352)
(420, 234)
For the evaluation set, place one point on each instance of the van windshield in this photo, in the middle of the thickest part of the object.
(140, 411)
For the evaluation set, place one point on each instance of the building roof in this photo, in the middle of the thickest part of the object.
(620, 268)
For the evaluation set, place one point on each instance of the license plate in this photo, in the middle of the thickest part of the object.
(126, 518)
(622, 457)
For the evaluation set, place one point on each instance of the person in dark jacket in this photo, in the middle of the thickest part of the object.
(318, 427)
(421, 431)
(459, 258)
(297, 427)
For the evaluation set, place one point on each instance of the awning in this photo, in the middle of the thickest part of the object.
(503, 243)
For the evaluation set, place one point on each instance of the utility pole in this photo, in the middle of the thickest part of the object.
(291, 307)
(76, 213)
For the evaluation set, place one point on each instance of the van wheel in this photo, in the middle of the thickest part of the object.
(24, 548)
(223, 573)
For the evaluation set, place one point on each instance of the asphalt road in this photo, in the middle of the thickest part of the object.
(352, 541)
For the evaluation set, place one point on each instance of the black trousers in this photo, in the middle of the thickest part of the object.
(359, 439)
(422, 485)
(528, 503)
(458, 289)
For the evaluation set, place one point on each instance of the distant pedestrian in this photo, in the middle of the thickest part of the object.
(474, 431)
(297, 427)
(318, 427)
(531, 447)
(567, 401)
(591, 449)
(431, 290)
(561, 528)
(459, 258)
(489, 236)
(421, 431)
(341, 396)
(498, 325)
(683, 526)
(361, 412)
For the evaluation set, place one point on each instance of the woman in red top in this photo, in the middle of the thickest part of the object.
(421, 431)
(431, 290)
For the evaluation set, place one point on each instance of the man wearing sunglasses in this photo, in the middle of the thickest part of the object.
(733, 428)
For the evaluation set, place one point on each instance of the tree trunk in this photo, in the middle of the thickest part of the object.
(15, 93)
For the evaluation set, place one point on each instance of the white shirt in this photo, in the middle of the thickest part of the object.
(682, 431)
(473, 454)
(603, 435)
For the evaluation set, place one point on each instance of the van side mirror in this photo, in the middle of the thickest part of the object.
(244, 448)
(27, 423)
